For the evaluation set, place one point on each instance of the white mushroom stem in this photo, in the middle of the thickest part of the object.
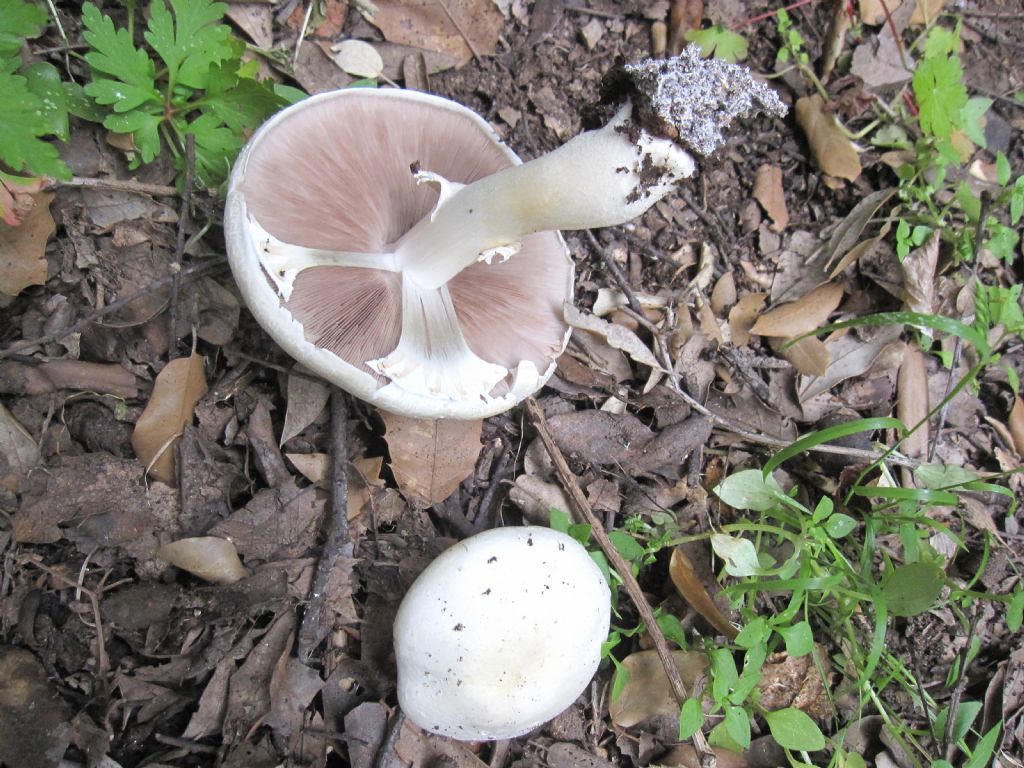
(598, 179)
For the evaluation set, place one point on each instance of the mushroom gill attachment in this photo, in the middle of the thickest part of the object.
(500, 633)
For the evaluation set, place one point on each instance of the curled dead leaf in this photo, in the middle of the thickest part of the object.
(769, 193)
(18, 451)
(919, 277)
(23, 248)
(802, 316)
(743, 316)
(912, 400)
(647, 693)
(833, 151)
(177, 390)
(431, 457)
(210, 558)
(617, 336)
(1017, 425)
(693, 592)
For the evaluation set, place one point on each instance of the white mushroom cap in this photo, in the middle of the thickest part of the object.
(500, 633)
(318, 199)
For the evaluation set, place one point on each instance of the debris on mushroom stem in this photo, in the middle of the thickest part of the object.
(693, 100)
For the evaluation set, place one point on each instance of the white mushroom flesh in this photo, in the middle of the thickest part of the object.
(500, 633)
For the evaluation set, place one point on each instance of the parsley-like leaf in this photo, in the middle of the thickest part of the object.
(18, 21)
(190, 42)
(216, 147)
(43, 80)
(241, 103)
(720, 42)
(145, 130)
(940, 94)
(22, 124)
(114, 53)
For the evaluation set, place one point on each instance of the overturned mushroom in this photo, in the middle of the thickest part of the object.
(390, 242)
(500, 633)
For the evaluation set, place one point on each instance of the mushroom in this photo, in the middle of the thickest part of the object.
(389, 241)
(500, 633)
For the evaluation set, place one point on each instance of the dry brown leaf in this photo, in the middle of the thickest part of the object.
(833, 151)
(851, 357)
(794, 681)
(769, 193)
(456, 27)
(686, 756)
(209, 557)
(801, 316)
(683, 16)
(647, 693)
(36, 728)
(919, 277)
(927, 10)
(743, 316)
(358, 58)
(692, 591)
(23, 248)
(177, 390)
(431, 457)
(18, 451)
(1016, 424)
(307, 398)
(809, 356)
(912, 400)
(873, 12)
(617, 336)
(723, 295)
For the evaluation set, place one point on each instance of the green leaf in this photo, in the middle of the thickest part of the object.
(241, 103)
(749, 489)
(799, 638)
(912, 589)
(982, 754)
(793, 729)
(1015, 611)
(113, 53)
(216, 147)
(839, 525)
(940, 94)
(737, 725)
(1003, 170)
(43, 80)
(620, 679)
(192, 41)
(971, 119)
(937, 476)
(827, 435)
(720, 42)
(691, 718)
(724, 674)
(754, 633)
(18, 21)
(1017, 200)
(144, 128)
(1002, 242)
(22, 126)
(628, 547)
(966, 713)
(559, 520)
(739, 555)
(672, 629)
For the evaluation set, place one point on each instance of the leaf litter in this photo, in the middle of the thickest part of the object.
(218, 657)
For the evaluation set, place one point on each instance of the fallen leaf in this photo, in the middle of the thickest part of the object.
(769, 193)
(686, 756)
(873, 12)
(926, 11)
(536, 498)
(209, 716)
(723, 295)
(879, 62)
(307, 398)
(456, 27)
(809, 356)
(431, 457)
(743, 316)
(1016, 423)
(848, 234)
(18, 451)
(23, 248)
(358, 58)
(177, 390)
(919, 277)
(850, 356)
(597, 437)
(255, 20)
(647, 693)
(801, 316)
(209, 557)
(693, 592)
(912, 400)
(683, 16)
(794, 681)
(833, 151)
(617, 336)
(277, 524)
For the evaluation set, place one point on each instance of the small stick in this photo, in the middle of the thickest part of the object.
(387, 747)
(338, 545)
(615, 272)
(586, 514)
(179, 249)
(119, 185)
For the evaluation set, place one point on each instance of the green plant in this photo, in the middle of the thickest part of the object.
(202, 88)
(35, 101)
(718, 41)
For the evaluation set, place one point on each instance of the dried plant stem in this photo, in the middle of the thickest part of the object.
(120, 185)
(636, 595)
(184, 214)
(338, 545)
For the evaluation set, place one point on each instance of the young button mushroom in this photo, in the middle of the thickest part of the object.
(390, 242)
(500, 633)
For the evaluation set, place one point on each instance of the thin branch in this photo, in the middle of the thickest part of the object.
(184, 214)
(616, 273)
(119, 185)
(629, 582)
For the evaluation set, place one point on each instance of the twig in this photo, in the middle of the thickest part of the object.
(92, 317)
(615, 272)
(593, 12)
(387, 747)
(621, 567)
(119, 185)
(460, 30)
(184, 212)
(338, 545)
